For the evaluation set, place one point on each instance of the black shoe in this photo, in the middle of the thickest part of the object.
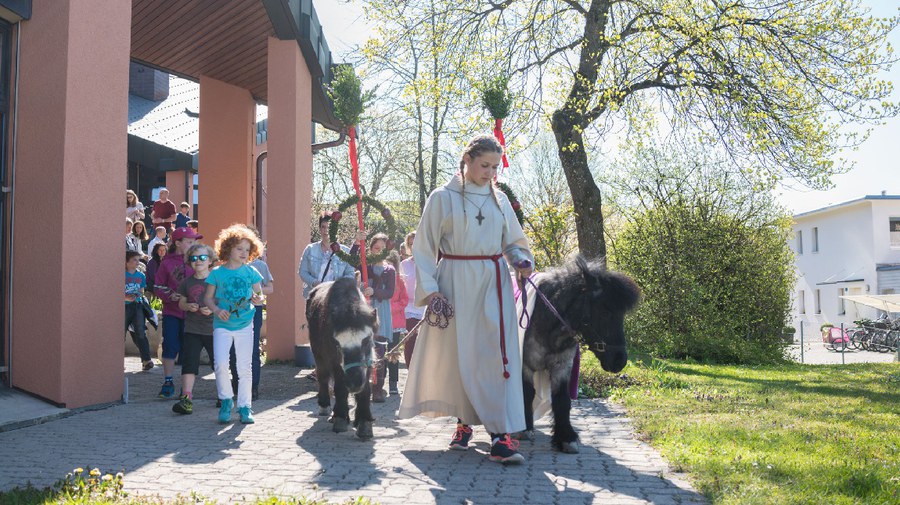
(255, 395)
(184, 406)
(393, 389)
(505, 451)
(378, 396)
(461, 437)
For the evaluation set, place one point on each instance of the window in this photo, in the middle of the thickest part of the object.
(801, 301)
(815, 240)
(799, 241)
(818, 301)
(842, 308)
(895, 231)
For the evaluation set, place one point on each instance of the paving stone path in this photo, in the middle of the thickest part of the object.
(292, 452)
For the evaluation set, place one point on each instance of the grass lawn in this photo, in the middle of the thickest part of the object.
(779, 434)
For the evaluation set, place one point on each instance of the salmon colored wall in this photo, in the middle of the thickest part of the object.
(70, 172)
(290, 193)
(176, 186)
(227, 135)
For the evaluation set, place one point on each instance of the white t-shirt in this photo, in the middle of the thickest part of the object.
(133, 213)
(408, 274)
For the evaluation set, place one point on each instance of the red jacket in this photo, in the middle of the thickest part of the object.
(398, 304)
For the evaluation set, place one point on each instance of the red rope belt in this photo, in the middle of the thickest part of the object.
(496, 259)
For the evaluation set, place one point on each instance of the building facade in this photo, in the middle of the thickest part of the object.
(852, 248)
(64, 113)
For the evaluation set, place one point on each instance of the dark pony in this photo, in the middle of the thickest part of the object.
(341, 326)
(592, 301)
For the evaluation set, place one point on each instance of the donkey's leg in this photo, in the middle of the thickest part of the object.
(341, 408)
(564, 437)
(528, 390)
(324, 396)
(362, 418)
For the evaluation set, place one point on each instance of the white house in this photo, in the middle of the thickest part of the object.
(851, 248)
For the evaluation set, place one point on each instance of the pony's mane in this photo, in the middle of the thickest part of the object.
(346, 305)
(570, 280)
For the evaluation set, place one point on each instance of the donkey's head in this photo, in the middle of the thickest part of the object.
(609, 295)
(354, 324)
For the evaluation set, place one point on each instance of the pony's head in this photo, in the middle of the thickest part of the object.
(608, 296)
(355, 324)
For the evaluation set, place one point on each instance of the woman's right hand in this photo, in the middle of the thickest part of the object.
(205, 311)
(193, 307)
(432, 296)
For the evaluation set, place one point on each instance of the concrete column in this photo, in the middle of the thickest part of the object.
(175, 183)
(289, 173)
(68, 284)
(227, 135)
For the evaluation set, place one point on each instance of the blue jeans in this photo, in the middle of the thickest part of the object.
(173, 332)
(257, 327)
(134, 317)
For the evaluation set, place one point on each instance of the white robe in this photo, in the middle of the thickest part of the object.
(458, 371)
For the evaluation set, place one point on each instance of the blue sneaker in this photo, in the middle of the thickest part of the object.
(168, 390)
(246, 415)
(225, 411)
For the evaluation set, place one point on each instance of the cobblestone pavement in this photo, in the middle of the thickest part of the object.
(292, 452)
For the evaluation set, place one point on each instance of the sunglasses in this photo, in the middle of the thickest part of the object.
(200, 257)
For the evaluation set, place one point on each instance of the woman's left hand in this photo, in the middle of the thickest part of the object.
(258, 299)
(524, 273)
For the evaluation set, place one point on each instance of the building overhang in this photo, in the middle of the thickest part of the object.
(228, 41)
(15, 10)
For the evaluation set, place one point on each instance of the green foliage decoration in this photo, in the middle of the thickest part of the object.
(513, 201)
(336, 218)
(346, 92)
(496, 98)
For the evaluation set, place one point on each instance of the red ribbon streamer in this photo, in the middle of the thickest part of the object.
(498, 132)
(354, 174)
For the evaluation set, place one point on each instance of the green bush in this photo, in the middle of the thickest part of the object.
(715, 288)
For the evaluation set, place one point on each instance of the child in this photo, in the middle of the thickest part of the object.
(471, 369)
(159, 238)
(382, 281)
(198, 322)
(182, 218)
(233, 289)
(413, 313)
(134, 309)
(398, 318)
(268, 287)
(172, 270)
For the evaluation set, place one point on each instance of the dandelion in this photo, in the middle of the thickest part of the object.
(107, 477)
(120, 475)
(78, 470)
(95, 472)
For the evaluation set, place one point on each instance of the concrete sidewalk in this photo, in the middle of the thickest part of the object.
(292, 452)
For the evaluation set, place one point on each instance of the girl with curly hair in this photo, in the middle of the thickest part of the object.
(233, 290)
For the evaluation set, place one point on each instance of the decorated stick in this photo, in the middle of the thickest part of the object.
(354, 174)
(498, 132)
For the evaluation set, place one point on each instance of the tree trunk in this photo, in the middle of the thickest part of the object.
(586, 197)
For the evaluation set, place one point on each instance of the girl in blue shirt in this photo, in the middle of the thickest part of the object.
(232, 292)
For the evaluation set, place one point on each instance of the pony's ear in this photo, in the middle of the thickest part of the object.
(622, 291)
(591, 272)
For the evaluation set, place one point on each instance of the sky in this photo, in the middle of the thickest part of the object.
(876, 161)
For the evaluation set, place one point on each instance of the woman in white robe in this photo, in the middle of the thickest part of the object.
(459, 370)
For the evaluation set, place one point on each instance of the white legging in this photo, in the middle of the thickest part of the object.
(243, 349)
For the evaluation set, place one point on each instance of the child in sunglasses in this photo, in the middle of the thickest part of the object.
(233, 289)
(198, 322)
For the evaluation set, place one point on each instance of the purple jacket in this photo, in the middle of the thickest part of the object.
(171, 272)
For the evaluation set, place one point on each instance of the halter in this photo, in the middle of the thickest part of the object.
(598, 346)
(356, 364)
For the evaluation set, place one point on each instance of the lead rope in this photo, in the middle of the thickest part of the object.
(438, 314)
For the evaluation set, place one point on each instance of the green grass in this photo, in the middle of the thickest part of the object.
(90, 487)
(779, 434)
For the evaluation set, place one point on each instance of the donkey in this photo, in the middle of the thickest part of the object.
(592, 301)
(341, 327)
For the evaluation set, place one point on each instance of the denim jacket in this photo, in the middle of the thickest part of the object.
(311, 266)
